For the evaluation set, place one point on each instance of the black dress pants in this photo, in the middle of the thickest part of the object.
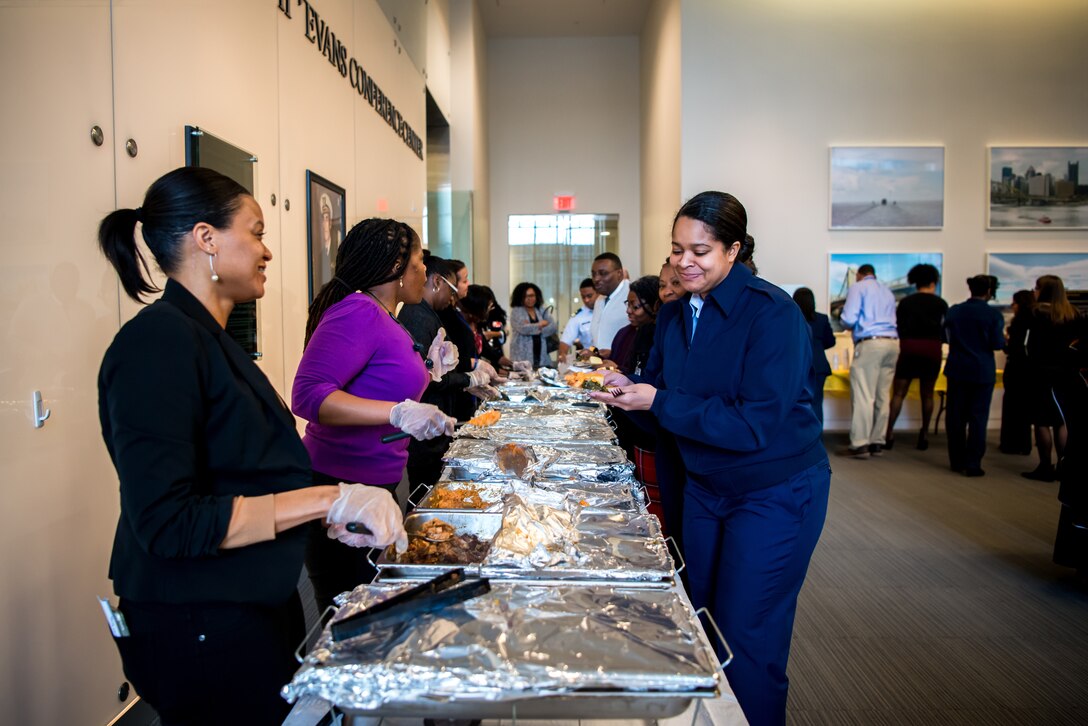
(333, 566)
(212, 663)
(966, 418)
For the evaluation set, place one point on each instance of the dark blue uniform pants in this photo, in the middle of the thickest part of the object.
(968, 413)
(747, 556)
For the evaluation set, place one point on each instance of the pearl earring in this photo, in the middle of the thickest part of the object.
(211, 264)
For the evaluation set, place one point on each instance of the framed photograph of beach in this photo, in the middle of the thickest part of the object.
(891, 269)
(1038, 187)
(887, 187)
(1019, 271)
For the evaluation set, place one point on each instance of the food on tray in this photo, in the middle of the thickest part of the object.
(585, 381)
(487, 418)
(467, 497)
(513, 459)
(453, 549)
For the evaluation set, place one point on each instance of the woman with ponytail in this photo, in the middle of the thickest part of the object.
(728, 377)
(361, 378)
(214, 481)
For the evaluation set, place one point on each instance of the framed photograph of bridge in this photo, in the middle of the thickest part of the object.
(1038, 187)
(891, 269)
(887, 187)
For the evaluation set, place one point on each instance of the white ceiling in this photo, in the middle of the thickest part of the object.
(559, 18)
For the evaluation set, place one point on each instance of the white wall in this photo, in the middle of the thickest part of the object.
(469, 170)
(251, 78)
(563, 117)
(769, 85)
(660, 137)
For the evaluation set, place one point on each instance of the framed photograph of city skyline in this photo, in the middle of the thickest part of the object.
(1019, 271)
(324, 230)
(1038, 187)
(887, 187)
(891, 269)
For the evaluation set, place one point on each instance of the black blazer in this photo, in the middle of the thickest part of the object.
(822, 339)
(191, 422)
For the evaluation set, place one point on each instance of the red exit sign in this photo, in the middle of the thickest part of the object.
(563, 203)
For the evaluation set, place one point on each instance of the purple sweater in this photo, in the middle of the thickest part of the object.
(357, 348)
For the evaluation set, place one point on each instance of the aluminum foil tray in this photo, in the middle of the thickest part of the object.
(532, 407)
(602, 496)
(474, 459)
(609, 547)
(563, 427)
(518, 642)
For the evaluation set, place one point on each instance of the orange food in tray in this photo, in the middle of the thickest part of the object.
(487, 418)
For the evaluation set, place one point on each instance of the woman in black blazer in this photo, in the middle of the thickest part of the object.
(822, 339)
(214, 481)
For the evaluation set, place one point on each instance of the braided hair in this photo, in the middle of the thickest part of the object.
(375, 252)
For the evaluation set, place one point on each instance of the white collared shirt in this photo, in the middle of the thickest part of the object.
(609, 315)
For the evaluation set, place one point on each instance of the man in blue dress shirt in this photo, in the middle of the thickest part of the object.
(870, 313)
(975, 330)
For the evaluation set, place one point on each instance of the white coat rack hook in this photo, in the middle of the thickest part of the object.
(40, 412)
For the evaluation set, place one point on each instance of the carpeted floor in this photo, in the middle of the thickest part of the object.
(932, 599)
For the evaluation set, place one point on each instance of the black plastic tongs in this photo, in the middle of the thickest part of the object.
(434, 595)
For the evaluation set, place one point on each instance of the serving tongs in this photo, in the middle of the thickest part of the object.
(447, 589)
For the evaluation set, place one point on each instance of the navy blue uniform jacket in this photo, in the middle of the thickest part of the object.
(975, 331)
(191, 422)
(737, 399)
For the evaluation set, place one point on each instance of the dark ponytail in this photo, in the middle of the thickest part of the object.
(374, 252)
(805, 300)
(173, 205)
(726, 221)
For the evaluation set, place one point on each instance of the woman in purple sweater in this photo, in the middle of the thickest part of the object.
(361, 378)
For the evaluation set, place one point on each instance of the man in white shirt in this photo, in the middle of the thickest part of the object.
(578, 327)
(610, 310)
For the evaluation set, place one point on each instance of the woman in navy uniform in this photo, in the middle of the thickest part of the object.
(727, 376)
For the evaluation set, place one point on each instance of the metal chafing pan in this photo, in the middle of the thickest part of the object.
(481, 524)
(591, 495)
(490, 492)
(619, 547)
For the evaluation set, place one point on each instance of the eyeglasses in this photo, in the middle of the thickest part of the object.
(634, 305)
(450, 285)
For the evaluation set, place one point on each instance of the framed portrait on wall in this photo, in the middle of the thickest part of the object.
(1019, 271)
(325, 230)
(1038, 187)
(891, 269)
(887, 187)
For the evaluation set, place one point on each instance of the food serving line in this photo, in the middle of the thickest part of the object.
(535, 585)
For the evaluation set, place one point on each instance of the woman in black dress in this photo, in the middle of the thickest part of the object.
(1016, 401)
(920, 320)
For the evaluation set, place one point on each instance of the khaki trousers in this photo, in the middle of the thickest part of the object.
(871, 376)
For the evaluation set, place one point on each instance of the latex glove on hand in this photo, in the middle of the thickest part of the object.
(374, 508)
(485, 367)
(422, 420)
(485, 392)
(443, 356)
(477, 378)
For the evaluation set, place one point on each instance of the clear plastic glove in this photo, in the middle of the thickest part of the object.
(422, 420)
(484, 366)
(375, 509)
(485, 392)
(523, 365)
(443, 356)
(478, 378)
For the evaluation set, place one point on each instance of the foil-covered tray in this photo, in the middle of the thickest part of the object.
(518, 644)
(474, 459)
(532, 407)
(560, 427)
(601, 547)
(607, 496)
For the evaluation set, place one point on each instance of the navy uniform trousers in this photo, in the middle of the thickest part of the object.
(747, 556)
(965, 420)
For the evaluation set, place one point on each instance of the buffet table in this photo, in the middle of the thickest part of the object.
(554, 594)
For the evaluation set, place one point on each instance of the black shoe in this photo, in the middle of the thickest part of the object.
(923, 443)
(876, 449)
(957, 468)
(861, 452)
(974, 472)
(889, 443)
(1041, 473)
